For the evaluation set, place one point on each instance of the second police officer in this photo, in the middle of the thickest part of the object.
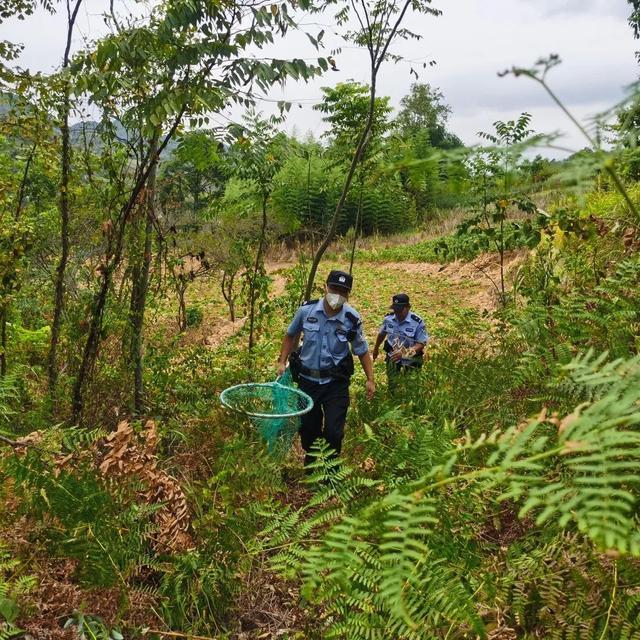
(323, 365)
(405, 337)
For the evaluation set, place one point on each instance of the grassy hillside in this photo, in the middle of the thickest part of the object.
(471, 498)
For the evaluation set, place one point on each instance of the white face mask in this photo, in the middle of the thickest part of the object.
(334, 300)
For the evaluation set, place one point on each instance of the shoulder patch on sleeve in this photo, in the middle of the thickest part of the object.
(356, 323)
(353, 317)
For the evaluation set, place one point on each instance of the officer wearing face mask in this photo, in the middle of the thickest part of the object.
(323, 366)
(405, 336)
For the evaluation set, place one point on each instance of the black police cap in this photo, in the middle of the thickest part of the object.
(399, 300)
(340, 279)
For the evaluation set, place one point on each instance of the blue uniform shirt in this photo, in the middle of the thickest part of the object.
(326, 341)
(406, 333)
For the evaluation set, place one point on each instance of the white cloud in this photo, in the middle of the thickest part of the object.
(471, 42)
(619, 8)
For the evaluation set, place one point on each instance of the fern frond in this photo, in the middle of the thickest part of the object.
(403, 548)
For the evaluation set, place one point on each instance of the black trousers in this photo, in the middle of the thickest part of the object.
(326, 419)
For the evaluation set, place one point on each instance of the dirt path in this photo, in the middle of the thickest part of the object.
(223, 328)
(481, 275)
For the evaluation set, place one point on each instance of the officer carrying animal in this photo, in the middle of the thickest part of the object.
(323, 365)
(405, 337)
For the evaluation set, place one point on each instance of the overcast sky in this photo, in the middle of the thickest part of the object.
(470, 42)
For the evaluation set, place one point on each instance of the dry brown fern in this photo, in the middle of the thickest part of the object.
(127, 455)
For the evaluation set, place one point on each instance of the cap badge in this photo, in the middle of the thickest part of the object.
(341, 279)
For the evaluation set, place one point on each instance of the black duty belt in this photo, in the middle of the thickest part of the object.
(342, 371)
(315, 373)
(330, 372)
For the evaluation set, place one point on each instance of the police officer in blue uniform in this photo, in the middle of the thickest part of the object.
(323, 366)
(405, 337)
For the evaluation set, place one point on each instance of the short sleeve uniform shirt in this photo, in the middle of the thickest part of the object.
(405, 333)
(326, 339)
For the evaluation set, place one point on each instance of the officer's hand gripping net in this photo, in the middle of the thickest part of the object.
(273, 407)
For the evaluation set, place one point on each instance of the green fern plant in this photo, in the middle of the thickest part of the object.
(88, 627)
(9, 394)
(193, 588)
(13, 589)
(103, 528)
(385, 561)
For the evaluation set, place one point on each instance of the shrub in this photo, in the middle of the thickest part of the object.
(194, 316)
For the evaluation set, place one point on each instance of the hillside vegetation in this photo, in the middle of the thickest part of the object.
(151, 258)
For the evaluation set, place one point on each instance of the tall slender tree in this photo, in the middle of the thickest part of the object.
(190, 59)
(141, 258)
(346, 108)
(379, 25)
(65, 153)
(257, 157)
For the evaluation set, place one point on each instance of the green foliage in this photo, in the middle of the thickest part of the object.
(423, 115)
(194, 590)
(194, 316)
(598, 309)
(386, 555)
(182, 384)
(492, 494)
(88, 627)
(307, 192)
(170, 47)
(14, 241)
(9, 394)
(346, 108)
(13, 589)
(306, 189)
(468, 241)
(194, 175)
(293, 295)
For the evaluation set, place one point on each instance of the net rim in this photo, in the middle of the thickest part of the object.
(274, 416)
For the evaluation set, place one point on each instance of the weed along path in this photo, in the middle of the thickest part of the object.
(216, 326)
(223, 328)
(472, 284)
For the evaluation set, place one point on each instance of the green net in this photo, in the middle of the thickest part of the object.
(273, 407)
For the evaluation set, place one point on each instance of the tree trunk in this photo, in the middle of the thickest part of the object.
(112, 259)
(358, 222)
(254, 278)
(503, 295)
(113, 255)
(95, 327)
(52, 366)
(182, 307)
(139, 290)
(3, 343)
(377, 55)
(227, 293)
(64, 254)
(362, 143)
